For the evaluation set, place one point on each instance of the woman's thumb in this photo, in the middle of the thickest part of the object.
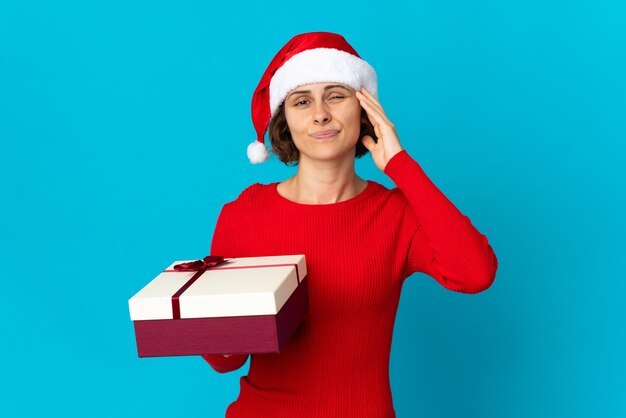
(368, 141)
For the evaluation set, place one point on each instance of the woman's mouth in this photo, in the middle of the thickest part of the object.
(325, 135)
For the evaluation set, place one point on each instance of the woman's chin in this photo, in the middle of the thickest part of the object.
(325, 139)
(330, 153)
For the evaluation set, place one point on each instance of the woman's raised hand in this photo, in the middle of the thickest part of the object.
(388, 143)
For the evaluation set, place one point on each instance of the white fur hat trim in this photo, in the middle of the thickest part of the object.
(321, 65)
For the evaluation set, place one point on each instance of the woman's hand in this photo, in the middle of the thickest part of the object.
(388, 143)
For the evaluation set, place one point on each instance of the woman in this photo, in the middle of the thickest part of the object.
(361, 240)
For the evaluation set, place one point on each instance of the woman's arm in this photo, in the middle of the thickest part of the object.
(223, 244)
(445, 244)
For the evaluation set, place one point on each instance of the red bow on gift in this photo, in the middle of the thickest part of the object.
(200, 265)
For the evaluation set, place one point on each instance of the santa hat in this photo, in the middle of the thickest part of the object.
(307, 58)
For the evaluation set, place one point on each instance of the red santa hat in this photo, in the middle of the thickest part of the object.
(307, 58)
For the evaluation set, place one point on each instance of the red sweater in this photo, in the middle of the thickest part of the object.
(358, 253)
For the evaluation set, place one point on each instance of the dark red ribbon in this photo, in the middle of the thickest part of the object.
(205, 264)
(198, 265)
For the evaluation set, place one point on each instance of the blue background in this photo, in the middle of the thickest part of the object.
(124, 127)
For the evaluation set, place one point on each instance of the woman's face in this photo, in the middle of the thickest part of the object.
(324, 120)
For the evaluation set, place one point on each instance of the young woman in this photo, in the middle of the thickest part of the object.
(360, 239)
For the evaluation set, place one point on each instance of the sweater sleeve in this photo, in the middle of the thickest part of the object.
(223, 244)
(445, 244)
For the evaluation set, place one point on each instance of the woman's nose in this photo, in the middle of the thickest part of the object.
(322, 115)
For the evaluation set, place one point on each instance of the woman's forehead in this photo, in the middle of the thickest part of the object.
(320, 86)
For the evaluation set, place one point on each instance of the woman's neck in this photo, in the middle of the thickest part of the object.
(323, 182)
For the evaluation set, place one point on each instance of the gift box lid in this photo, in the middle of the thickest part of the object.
(238, 287)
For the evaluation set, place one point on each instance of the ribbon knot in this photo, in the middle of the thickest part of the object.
(200, 265)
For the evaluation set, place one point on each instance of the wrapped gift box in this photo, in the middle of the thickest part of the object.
(241, 305)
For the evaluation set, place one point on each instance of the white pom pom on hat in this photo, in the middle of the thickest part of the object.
(311, 57)
(257, 153)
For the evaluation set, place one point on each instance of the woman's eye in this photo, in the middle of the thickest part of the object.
(301, 103)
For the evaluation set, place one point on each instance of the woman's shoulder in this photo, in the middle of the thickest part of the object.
(252, 194)
(391, 195)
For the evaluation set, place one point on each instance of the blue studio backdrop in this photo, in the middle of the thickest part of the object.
(123, 131)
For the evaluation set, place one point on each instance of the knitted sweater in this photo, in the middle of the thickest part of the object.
(358, 253)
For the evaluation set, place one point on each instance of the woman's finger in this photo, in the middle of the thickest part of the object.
(375, 102)
(365, 99)
(374, 114)
(374, 118)
(369, 95)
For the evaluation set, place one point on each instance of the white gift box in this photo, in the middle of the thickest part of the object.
(243, 305)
